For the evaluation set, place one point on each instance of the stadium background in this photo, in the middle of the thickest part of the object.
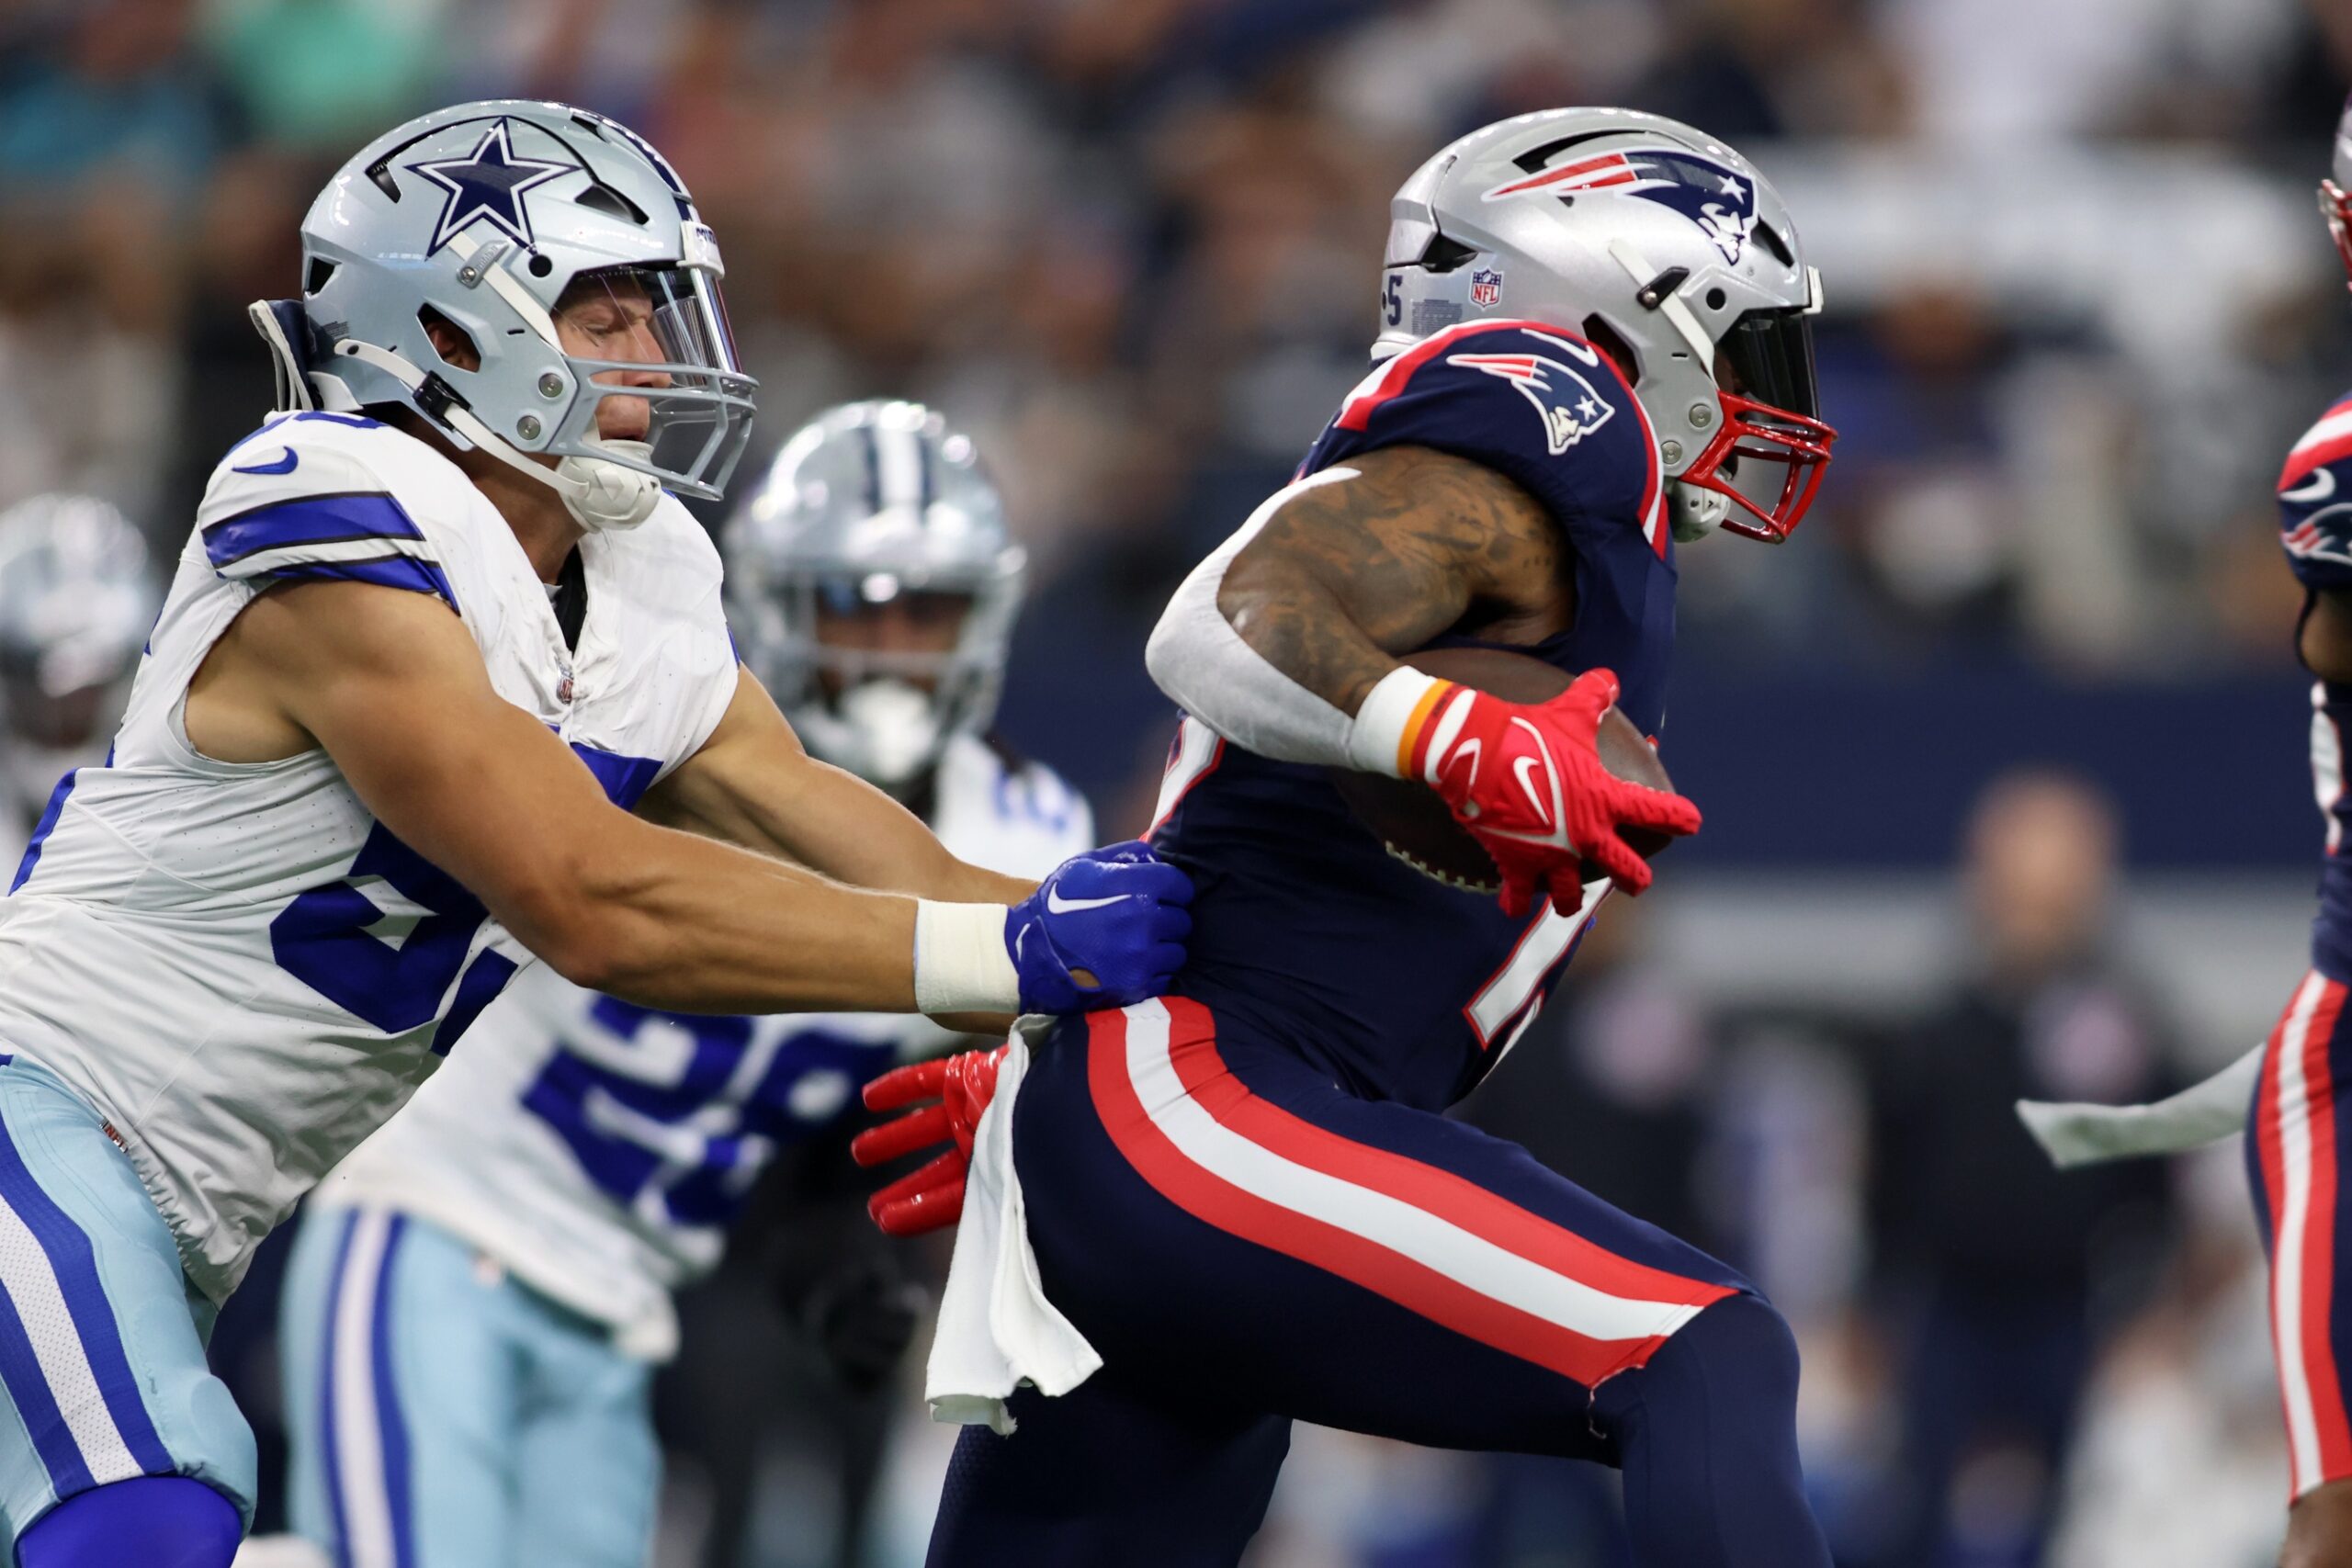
(2079, 305)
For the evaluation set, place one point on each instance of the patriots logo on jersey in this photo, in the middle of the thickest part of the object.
(1720, 202)
(487, 183)
(1565, 401)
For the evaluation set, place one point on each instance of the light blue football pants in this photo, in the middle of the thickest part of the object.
(102, 1369)
(443, 1414)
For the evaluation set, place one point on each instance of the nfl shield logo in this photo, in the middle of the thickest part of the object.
(1486, 286)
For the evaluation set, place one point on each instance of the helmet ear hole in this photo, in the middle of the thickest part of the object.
(1611, 342)
(451, 342)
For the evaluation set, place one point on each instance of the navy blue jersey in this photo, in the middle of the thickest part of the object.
(2315, 526)
(1401, 987)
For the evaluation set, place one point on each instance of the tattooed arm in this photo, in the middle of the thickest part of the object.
(1275, 639)
(1340, 577)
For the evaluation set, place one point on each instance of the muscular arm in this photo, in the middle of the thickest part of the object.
(753, 784)
(1342, 576)
(391, 684)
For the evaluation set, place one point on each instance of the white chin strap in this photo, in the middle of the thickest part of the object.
(598, 493)
(1694, 512)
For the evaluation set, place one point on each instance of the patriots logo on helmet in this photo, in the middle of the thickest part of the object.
(1721, 201)
(489, 183)
(1567, 403)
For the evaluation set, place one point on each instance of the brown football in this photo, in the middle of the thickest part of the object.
(1407, 817)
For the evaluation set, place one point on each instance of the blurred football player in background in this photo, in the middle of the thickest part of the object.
(2298, 1127)
(1245, 1202)
(77, 594)
(580, 1159)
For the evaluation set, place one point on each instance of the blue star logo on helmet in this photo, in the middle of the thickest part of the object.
(487, 183)
(1721, 201)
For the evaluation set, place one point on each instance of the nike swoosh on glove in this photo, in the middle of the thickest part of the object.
(948, 1095)
(1107, 930)
(1526, 781)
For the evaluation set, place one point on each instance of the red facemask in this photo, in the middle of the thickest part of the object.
(1755, 432)
(2336, 208)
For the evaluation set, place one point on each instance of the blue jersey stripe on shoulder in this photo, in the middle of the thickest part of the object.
(385, 571)
(307, 520)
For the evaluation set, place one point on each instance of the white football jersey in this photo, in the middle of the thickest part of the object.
(236, 963)
(598, 1149)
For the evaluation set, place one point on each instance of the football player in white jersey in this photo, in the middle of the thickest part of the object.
(77, 597)
(491, 1272)
(439, 627)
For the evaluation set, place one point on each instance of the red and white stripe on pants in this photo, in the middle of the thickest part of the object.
(2295, 1143)
(1424, 1236)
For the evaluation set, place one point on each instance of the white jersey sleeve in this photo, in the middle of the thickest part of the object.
(236, 963)
(599, 1150)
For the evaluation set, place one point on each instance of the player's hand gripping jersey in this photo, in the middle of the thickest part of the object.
(600, 1150)
(1402, 987)
(256, 972)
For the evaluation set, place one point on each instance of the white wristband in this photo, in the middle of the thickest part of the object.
(960, 962)
(1378, 737)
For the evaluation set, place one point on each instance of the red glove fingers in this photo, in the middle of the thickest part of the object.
(902, 1135)
(929, 1199)
(904, 1086)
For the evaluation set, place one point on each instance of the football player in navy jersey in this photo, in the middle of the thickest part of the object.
(1194, 1221)
(2299, 1119)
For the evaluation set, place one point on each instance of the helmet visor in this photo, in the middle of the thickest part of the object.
(660, 352)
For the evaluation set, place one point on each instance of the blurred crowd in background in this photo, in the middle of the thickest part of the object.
(2080, 303)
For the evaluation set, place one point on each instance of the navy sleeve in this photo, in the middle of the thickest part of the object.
(1539, 405)
(2315, 502)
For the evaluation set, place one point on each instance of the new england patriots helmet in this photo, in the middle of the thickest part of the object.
(76, 598)
(2336, 191)
(873, 510)
(1664, 246)
(489, 218)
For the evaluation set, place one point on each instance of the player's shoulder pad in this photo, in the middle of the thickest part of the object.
(327, 495)
(1535, 402)
(2315, 500)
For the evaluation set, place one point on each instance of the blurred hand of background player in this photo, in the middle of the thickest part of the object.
(1106, 929)
(862, 1314)
(1526, 781)
(949, 1094)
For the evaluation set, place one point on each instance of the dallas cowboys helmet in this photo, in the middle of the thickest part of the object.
(2335, 192)
(482, 217)
(1660, 243)
(868, 503)
(76, 598)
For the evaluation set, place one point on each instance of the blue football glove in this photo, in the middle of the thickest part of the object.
(1107, 930)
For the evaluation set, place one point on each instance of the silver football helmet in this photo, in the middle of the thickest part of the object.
(2335, 192)
(493, 218)
(76, 600)
(1664, 247)
(874, 587)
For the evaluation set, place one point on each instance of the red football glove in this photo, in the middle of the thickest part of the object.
(959, 1088)
(1525, 780)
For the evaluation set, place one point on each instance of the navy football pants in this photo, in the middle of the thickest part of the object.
(1247, 1244)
